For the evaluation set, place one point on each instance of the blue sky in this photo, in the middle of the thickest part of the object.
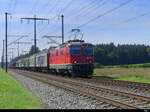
(109, 28)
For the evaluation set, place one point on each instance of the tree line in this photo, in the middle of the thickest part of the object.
(110, 54)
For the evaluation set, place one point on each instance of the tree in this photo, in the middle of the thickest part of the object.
(109, 54)
(148, 51)
(32, 50)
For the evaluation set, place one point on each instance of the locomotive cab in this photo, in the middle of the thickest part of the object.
(81, 58)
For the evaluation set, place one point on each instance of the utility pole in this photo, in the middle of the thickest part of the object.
(11, 55)
(3, 55)
(18, 47)
(35, 19)
(12, 52)
(34, 34)
(62, 17)
(6, 15)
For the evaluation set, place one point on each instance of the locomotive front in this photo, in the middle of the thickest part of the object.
(81, 58)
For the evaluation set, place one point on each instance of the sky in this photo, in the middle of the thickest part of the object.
(100, 21)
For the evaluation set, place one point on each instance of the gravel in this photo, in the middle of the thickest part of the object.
(119, 88)
(57, 98)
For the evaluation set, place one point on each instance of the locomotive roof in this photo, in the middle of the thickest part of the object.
(77, 43)
(73, 43)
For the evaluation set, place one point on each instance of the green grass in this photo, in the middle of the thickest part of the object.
(14, 96)
(128, 74)
(143, 65)
(135, 79)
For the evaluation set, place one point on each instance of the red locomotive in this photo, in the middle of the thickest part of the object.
(75, 57)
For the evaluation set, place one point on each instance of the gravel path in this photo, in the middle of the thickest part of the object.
(57, 98)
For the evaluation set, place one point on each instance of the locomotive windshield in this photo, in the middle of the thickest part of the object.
(88, 50)
(75, 50)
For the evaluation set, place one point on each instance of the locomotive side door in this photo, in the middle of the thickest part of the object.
(66, 55)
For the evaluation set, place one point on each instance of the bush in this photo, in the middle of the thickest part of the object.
(146, 65)
(98, 65)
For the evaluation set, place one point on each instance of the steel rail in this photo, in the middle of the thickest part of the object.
(119, 82)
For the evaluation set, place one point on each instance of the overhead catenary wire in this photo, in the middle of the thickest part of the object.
(87, 7)
(85, 4)
(66, 6)
(34, 6)
(128, 20)
(36, 2)
(105, 13)
(47, 3)
(31, 12)
(56, 3)
(27, 31)
(10, 5)
(45, 26)
(90, 8)
(134, 18)
(14, 6)
(10, 17)
(62, 11)
(94, 8)
(20, 37)
(50, 19)
(81, 7)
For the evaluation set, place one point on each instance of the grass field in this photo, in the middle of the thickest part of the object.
(136, 74)
(143, 65)
(14, 96)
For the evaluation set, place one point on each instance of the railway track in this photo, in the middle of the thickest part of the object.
(111, 97)
(123, 84)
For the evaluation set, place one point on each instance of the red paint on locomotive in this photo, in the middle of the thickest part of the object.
(64, 55)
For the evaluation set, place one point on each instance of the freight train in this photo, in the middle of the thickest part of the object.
(74, 58)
